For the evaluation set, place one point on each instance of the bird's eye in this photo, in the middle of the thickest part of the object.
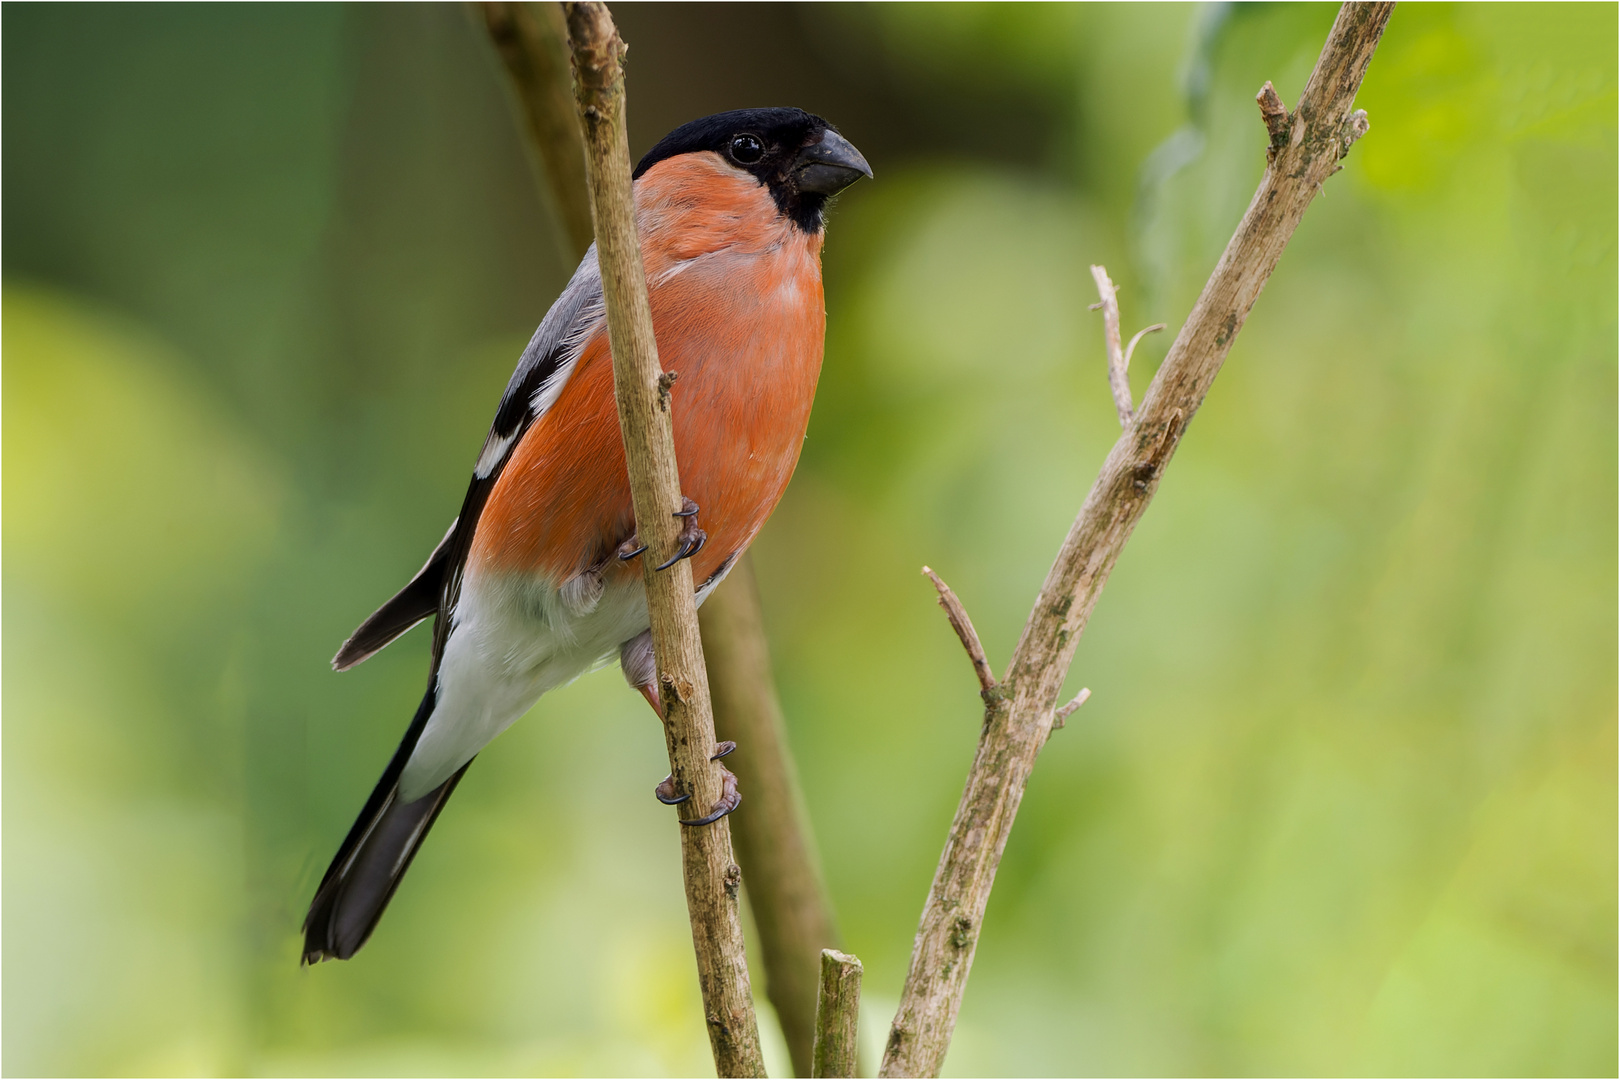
(746, 149)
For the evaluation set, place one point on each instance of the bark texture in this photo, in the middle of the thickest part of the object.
(713, 879)
(838, 1014)
(1018, 718)
(774, 844)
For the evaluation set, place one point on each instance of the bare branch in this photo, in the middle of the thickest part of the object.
(774, 841)
(1119, 361)
(964, 630)
(712, 877)
(1063, 714)
(1138, 336)
(838, 1012)
(1117, 358)
(1018, 721)
(533, 43)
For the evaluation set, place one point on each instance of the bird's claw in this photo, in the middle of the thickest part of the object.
(729, 801)
(630, 548)
(691, 537)
(729, 797)
(665, 792)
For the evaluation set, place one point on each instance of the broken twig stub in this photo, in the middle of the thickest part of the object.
(838, 1012)
(957, 614)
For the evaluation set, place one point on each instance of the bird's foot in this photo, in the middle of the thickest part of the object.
(729, 797)
(729, 800)
(690, 540)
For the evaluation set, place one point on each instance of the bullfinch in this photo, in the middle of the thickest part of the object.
(537, 580)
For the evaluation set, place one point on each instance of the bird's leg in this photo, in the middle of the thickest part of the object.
(664, 792)
(691, 538)
(640, 671)
(650, 692)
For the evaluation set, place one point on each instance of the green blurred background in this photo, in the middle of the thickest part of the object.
(1343, 801)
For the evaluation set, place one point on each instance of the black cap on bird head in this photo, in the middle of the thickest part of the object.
(800, 157)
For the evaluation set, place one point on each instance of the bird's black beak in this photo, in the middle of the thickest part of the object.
(829, 166)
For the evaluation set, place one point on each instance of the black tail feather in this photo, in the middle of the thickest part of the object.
(415, 602)
(374, 856)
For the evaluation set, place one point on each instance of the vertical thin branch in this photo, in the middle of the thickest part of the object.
(775, 846)
(1018, 722)
(533, 44)
(712, 877)
(1118, 377)
(838, 1013)
(1119, 360)
(772, 830)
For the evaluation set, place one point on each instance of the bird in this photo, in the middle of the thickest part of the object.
(537, 580)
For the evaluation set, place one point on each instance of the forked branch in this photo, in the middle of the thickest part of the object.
(1019, 719)
(1119, 360)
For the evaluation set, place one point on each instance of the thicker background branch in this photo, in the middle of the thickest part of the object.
(775, 845)
(533, 44)
(1018, 723)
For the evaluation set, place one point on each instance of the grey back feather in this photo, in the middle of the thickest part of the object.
(542, 372)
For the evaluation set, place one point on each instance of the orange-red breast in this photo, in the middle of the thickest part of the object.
(536, 581)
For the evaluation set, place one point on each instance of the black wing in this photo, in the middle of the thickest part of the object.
(542, 371)
(384, 839)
